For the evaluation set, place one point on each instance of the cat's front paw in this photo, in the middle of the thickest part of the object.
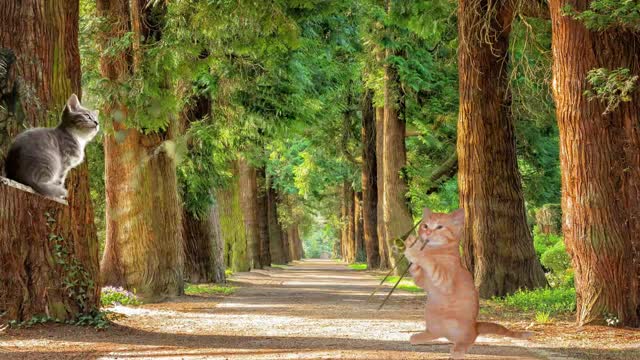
(62, 193)
(411, 253)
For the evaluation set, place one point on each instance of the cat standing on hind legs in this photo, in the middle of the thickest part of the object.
(42, 157)
(452, 305)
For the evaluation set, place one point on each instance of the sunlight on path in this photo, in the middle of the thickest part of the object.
(315, 309)
(312, 310)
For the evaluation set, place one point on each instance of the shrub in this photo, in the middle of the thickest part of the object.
(556, 258)
(546, 300)
(208, 289)
(112, 296)
(543, 317)
(543, 242)
(358, 266)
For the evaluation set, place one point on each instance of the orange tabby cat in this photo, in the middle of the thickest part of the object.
(452, 305)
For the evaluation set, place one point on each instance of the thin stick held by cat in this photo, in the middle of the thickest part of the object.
(451, 310)
(42, 157)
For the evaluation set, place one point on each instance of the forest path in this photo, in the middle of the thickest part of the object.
(315, 309)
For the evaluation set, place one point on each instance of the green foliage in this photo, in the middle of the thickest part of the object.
(544, 242)
(553, 256)
(548, 300)
(556, 258)
(77, 281)
(319, 241)
(95, 159)
(358, 266)
(232, 228)
(97, 319)
(112, 296)
(543, 317)
(205, 167)
(606, 14)
(406, 284)
(534, 112)
(611, 86)
(208, 289)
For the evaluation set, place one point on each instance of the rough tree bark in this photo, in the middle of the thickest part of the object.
(275, 234)
(358, 232)
(284, 234)
(369, 182)
(396, 215)
(347, 235)
(497, 245)
(232, 224)
(600, 162)
(204, 247)
(262, 217)
(294, 242)
(383, 246)
(203, 243)
(249, 203)
(37, 265)
(144, 245)
(44, 38)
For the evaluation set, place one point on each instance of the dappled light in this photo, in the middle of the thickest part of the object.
(320, 179)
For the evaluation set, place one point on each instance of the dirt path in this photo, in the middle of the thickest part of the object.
(313, 310)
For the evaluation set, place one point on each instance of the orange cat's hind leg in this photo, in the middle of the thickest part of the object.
(422, 338)
(459, 350)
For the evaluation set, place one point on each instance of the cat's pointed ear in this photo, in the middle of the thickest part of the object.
(73, 103)
(458, 216)
(426, 212)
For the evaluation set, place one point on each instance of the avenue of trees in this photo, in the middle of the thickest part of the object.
(233, 130)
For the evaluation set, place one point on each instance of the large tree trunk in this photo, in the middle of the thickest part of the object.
(249, 202)
(369, 182)
(203, 243)
(348, 248)
(396, 215)
(37, 265)
(383, 245)
(497, 245)
(294, 242)
(600, 162)
(144, 245)
(275, 234)
(233, 225)
(263, 218)
(358, 233)
(44, 39)
(284, 234)
(204, 247)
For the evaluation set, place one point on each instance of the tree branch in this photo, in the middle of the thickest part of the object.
(444, 172)
(535, 8)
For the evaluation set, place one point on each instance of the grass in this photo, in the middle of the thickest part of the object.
(280, 266)
(543, 317)
(405, 284)
(547, 300)
(208, 289)
(358, 266)
(112, 296)
(228, 272)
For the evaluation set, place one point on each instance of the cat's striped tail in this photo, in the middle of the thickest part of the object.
(497, 329)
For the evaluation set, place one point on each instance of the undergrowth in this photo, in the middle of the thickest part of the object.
(405, 284)
(358, 266)
(208, 289)
(545, 300)
(112, 296)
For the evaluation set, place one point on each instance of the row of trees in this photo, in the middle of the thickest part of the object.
(593, 58)
(163, 224)
(235, 128)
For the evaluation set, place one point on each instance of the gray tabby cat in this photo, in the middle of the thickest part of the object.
(42, 157)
